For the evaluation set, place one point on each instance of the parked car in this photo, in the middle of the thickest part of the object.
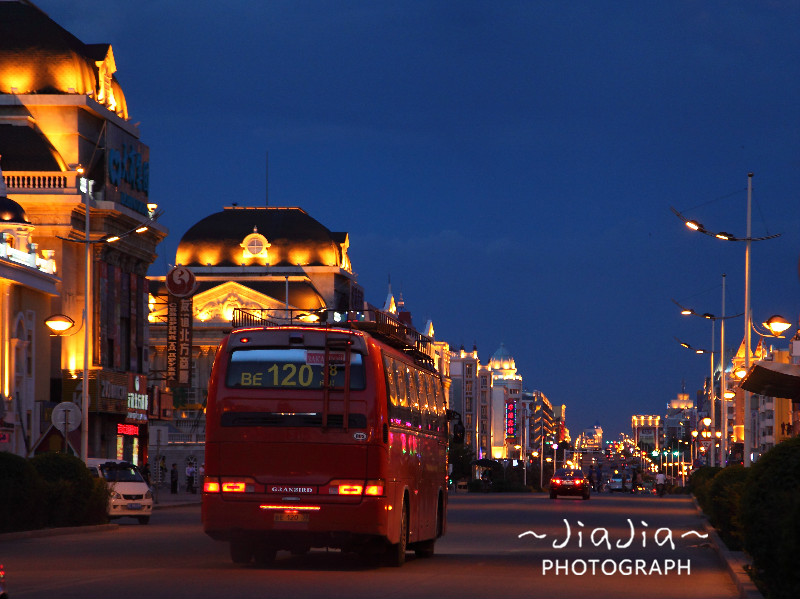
(567, 481)
(130, 494)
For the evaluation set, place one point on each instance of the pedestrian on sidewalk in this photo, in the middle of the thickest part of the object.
(173, 479)
(190, 473)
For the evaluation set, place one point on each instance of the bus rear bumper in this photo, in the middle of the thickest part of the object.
(340, 526)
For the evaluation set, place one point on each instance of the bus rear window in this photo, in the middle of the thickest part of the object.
(281, 368)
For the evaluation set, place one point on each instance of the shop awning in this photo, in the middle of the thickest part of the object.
(774, 379)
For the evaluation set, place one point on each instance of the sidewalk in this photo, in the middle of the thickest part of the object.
(734, 561)
(162, 498)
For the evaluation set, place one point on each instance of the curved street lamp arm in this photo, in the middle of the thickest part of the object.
(696, 226)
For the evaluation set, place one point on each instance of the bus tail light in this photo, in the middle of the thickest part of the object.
(228, 484)
(231, 484)
(372, 488)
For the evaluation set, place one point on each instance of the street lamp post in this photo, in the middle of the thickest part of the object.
(748, 427)
(748, 432)
(86, 190)
(712, 398)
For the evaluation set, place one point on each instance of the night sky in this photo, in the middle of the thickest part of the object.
(511, 166)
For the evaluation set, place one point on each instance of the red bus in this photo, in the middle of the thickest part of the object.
(326, 434)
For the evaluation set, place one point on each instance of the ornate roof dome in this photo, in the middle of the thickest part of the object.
(264, 236)
(502, 359)
(38, 56)
(11, 212)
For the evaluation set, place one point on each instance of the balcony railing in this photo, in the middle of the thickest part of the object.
(39, 181)
(186, 438)
(46, 263)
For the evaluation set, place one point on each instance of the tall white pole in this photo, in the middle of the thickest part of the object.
(723, 445)
(748, 429)
(86, 189)
(711, 395)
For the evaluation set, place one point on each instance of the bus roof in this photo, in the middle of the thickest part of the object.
(382, 325)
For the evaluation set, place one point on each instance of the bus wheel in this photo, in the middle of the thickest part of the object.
(424, 548)
(264, 555)
(241, 552)
(396, 554)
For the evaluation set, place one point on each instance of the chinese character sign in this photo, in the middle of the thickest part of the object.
(179, 341)
(511, 419)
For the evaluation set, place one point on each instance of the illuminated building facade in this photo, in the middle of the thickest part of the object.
(506, 389)
(469, 399)
(27, 284)
(647, 431)
(541, 423)
(61, 108)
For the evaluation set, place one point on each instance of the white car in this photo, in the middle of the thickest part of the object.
(130, 494)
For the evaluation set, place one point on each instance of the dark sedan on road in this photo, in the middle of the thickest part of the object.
(569, 482)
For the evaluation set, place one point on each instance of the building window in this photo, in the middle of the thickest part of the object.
(255, 245)
(468, 371)
(483, 412)
(468, 404)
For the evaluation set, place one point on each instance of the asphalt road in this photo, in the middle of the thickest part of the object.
(496, 545)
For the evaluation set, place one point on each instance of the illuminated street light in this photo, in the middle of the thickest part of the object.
(748, 433)
(776, 324)
(59, 324)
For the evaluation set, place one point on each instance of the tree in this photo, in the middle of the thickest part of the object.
(460, 457)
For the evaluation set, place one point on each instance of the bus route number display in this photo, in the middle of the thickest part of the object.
(271, 369)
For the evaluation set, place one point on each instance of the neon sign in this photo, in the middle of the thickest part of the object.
(127, 429)
(511, 419)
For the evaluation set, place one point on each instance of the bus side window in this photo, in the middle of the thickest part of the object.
(412, 387)
(388, 366)
(438, 394)
(400, 381)
(423, 400)
(430, 410)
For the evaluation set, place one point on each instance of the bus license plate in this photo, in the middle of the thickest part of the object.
(291, 517)
(134, 506)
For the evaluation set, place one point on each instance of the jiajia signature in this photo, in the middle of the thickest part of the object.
(600, 536)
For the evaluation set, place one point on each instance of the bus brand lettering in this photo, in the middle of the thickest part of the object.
(360, 436)
(291, 489)
(318, 357)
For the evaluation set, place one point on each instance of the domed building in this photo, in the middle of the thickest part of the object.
(502, 364)
(260, 258)
(506, 392)
(75, 163)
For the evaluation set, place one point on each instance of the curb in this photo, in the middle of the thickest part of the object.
(54, 532)
(162, 506)
(71, 530)
(734, 561)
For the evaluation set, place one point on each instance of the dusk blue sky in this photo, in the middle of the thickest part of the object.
(510, 165)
